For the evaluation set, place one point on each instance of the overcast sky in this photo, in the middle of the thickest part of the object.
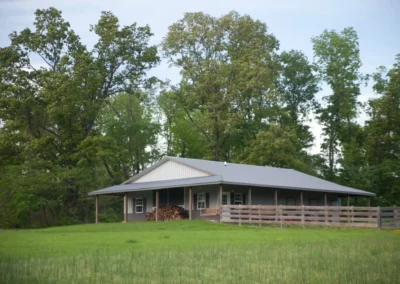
(292, 22)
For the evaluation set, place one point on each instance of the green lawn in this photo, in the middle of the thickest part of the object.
(198, 252)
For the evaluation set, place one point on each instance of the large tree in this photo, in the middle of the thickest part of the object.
(275, 147)
(182, 137)
(298, 86)
(383, 135)
(229, 75)
(338, 59)
(127, 140)
(49, 109)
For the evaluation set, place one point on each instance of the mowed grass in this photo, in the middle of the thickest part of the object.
(198, 252)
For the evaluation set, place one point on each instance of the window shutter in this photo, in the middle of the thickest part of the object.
(133, 205)
(244, 199)
(195, 201)
(144, 205)
(207, 200)
(232, 198)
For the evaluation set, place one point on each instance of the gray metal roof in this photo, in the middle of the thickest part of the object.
(242, 174)
(238, 174)
(143, 186)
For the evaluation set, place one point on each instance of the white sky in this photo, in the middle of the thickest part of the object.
(292, 22)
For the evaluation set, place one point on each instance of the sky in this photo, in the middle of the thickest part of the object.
(293, 23)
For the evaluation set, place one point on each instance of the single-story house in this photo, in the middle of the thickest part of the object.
(202, 186)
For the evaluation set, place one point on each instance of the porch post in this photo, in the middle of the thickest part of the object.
(301, 198)
(326, 209)
(348, 200)
(369, 205)
(220, 195)
(190, 203)
(249, 197)
(157, 199)
(126, 207)
(276, 197)
(97, 209)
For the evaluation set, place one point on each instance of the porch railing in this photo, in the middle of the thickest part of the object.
(344, 216)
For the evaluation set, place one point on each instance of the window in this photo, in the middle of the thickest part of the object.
(238, 199)
(139, 205)
(201, 201)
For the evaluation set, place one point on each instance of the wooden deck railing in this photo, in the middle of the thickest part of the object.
(369, 217)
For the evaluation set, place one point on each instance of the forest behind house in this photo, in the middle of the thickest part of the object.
(91, 117)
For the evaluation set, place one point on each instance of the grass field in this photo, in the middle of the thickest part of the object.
(198, 252)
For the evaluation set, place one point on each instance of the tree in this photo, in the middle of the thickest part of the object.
(275, 147)
(383, 135)
(338, 60)
(229, 72)
(49, 112)
(298, 86)
(181, 135)
(128, 139)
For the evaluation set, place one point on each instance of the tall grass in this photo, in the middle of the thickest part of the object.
(278, 260)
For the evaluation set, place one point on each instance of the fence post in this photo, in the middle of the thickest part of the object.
(352, 214)
(395, 217)
(259, 215)
(280, 214)
(240, 215)
(378, 217)
(348, 210)
(326, 214)
(302, 215)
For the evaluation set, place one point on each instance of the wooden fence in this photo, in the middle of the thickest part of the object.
(389, 217)
(369, 217)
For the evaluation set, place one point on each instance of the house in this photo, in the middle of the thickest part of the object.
(205, 185)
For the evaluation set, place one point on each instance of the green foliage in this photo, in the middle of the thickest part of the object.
(90, 118)
(338, 61)
(182, 136)
(109, 216)
(228, 70)
(50, 114)
(298, 86)
(275, 147)
(382, 142)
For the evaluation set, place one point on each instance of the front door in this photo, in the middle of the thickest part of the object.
(226, 198)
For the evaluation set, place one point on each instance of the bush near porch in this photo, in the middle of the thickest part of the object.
(198, 252)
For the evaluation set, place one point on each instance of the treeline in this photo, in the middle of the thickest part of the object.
(88, 118)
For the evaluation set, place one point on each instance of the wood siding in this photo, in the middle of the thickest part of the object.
(171, 170)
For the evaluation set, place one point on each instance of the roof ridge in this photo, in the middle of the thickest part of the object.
(239, 164)
(178, 160)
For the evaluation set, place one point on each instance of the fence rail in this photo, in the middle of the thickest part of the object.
(345, 216)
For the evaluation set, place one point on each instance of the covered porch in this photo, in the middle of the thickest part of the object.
(205, 201)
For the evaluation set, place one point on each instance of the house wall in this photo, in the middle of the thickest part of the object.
(171, 170)
(213, 190)
(142, 194)
(265, 196)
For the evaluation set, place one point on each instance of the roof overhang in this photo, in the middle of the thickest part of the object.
(343, 192)
(145, 186)
(132, 187)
